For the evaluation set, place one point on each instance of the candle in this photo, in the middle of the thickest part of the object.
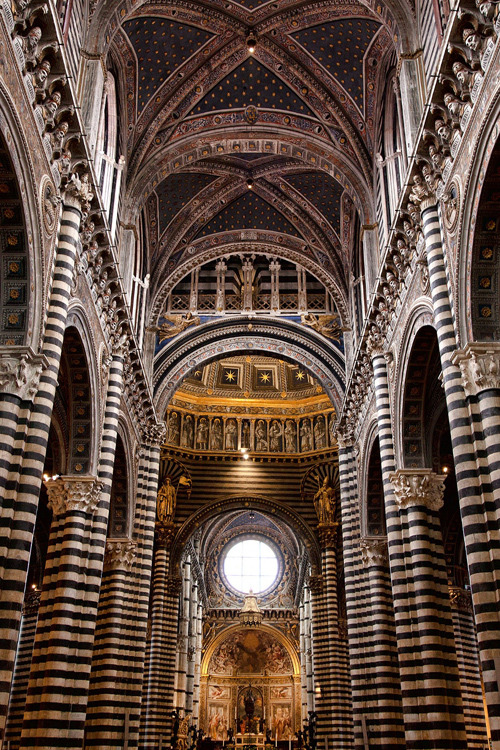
(276, 738)
(290, 744)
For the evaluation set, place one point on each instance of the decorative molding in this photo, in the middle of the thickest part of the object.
(327, 533)
(69, 494)
(418, 487)
(480, 367)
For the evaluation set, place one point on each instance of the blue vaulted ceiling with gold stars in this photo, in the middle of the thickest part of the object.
(249, 125)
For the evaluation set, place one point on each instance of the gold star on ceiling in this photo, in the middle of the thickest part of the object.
(264, 377)
(231, 375)
(299, 375)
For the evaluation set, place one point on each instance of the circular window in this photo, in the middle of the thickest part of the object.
(250, 565)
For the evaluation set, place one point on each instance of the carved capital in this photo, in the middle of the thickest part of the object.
(460, 599)
(418, 487)
(78, 192)
(373, 551)
(155, 434)
(345, 438)
(480, 367)
(327, 533)
(32, 602)
(375, 345)
(20, 371)
(316, 583)
(68, 494)
(120, 553)
(165, 533)
(174, 586)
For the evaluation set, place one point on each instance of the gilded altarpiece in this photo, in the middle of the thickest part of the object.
(263, 659)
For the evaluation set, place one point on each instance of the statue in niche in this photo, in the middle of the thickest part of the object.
(202, 434)
(231, 435)
(187, 432)
(275, 433)
(173, 428)
(320, 433)
(216, 435)
(324, 503)
(290, 437)
(165, 504)
(260, 436)
(245, 435)
(331, 431)
(306, 438)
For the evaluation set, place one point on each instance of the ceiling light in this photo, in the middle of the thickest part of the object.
(246, 456)
(251, 43)
(249, 183)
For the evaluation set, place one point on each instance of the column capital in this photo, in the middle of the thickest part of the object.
(373, 551)
(316, 583)
(165, 533)
(327, 533)
(78, 192)
(120, 553)
(20, 371)
(480, 366)
(174, 585)
(418, 487)
(460, 599)
(345, 437)
(375, 345)
(155, 434)
(73, 493)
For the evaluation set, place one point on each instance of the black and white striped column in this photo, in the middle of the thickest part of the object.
(385, 714)
(159, 671)
(376, 689)
(22, 488)
(75, 582)
(476, 497)
(58, 684)
(468, 668)
(428, 661)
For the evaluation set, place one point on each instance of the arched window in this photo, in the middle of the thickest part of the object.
(109, 167)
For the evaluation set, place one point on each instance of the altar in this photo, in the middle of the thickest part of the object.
(258, 740)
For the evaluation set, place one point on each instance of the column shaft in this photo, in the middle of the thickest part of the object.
(474, 497)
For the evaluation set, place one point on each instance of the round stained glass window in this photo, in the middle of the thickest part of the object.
(251, 565)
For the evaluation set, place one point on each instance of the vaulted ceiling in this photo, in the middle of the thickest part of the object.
(237, 149)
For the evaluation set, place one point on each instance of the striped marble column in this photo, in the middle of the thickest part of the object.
(114, 694)
(22, 485)
(421, 730)
(376, 689)
(88, 537)
(22, 670)
(355, 591)
(428, 660)
(58, 684)
(159, 672)
(385, 715)
(468, 668)
(321, 656)
(181, 667)
(478, 506)
(336, 700)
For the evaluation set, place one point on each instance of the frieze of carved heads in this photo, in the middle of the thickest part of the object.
(480, 367)
(20, 371)
(70, 494)
(418, 487)
(208, 432)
